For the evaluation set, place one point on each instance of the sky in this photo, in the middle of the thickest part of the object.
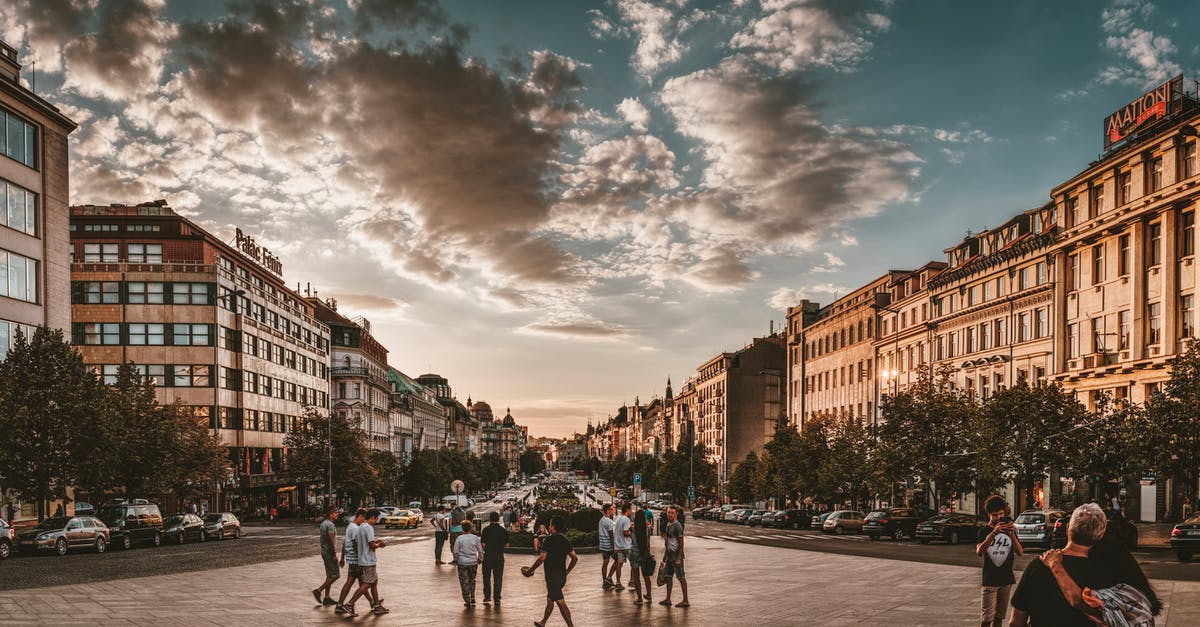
(559, 204)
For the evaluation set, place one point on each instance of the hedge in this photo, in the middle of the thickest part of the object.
(524, 540)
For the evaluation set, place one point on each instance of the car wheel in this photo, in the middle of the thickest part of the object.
(924, 540)
(180, 539)
(5, 550)
(953, 537)
(101, 545)
(873, 537)
(837, 531)
(898, 535)
(1184, 556)
(126, 542)
(60, 547)
(157, 539)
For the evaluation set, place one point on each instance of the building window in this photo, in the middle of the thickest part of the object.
(1154, 322)
(1124, 261)
(145, 253)
(154, 373)
(1073, 270)
(1096, 194)
(1123, 321)
(143, 228)
(191, 335)
(1097, 264)
(1073, 340)
(1098, 335)
(265, 386)
(1155, 179)
(100, 253)
(144, 293)
(231, 379)
(19, 139)
(108, 373)
(18, 208)
(147, 334)
(101, 292)
(101, 228)
(1040, 268)
(231, 418)
(1187, 245)
(18, 277)
(1189, 160)
(1187, 312)
(99, 333)
(1124, 187)
(1023, 328)
(191, 376)
(970, 340)
(190, 293)
(1072, 210)
(1041, 327)
(1154, 243)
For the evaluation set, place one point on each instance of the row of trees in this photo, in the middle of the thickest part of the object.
(62, 427)
(946, 440)
(672, 472)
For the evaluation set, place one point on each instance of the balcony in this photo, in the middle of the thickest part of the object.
(350, 371)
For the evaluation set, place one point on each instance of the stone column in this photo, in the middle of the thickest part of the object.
(1170, 282)
(1058, 313)
(1137, 275)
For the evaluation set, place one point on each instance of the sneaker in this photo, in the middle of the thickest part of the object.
(487, 601)
(607, 584)
(317, 595)
(350, 611)
(339, 609)
(618, 587)
(497, 602)
(380, 610)
(328, 601)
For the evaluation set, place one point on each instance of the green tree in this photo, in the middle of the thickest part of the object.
(673, 471)
(809, 449)
(309, 454)
(48, 398)
(745, 479)
(846, 471)
(1169, 429)
(388, 474)
(1027, 430)
(589, 465)
(199, 458)
(1105, 444)
(783, 464)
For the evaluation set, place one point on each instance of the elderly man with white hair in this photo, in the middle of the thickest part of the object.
(1038, 599)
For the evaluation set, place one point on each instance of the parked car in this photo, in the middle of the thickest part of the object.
(698, 512)
(790, 519)
(414, 505)
(896, 523)
(733, 508)
(183, 527)
(132, 521)
(768, 518)
(84, 509)
(842, 522)
(1118, 527)
(818, 520)
(222, 525)
(755, 517)
(7, 537)
(1034, 527)
(952, 528)
(60, 533)
(1185, 538)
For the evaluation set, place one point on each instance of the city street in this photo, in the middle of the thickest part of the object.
(729, 582)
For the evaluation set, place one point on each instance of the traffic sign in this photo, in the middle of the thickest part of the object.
(612, 491)
(637, 478)
(691, 493)
(457, 486)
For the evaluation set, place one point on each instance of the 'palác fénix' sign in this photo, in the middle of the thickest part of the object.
(251, 249)
(1152, 105)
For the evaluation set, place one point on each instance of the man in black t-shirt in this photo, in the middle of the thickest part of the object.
(554, 553)
(1039, 600)
(495, 538)
(998, 546)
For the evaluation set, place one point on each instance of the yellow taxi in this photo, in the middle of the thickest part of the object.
(403, 518)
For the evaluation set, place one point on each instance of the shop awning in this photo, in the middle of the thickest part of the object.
(287, 488)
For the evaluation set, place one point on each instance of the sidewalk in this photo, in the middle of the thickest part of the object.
(729, 583)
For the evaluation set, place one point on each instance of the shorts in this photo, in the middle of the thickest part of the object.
(675, 569)
(554, 589)
(621, 555)
(354, 572)
(648, 565)
(995, 602)
(331, 566)
(369, 575)
(606, 553)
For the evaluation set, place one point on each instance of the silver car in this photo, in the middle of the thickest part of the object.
(844, 521)
(1034, 526)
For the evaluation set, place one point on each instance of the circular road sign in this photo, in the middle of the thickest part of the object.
(456, 486)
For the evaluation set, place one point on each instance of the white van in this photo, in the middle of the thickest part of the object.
(450, 500)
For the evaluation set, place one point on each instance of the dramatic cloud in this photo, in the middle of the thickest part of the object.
(796, 34)
(657, 30)
(635, 113)
(1145, 55)
(356, 302)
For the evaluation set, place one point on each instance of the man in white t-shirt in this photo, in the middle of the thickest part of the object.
(350, 556)
(441, 531)
(366, 545)
(605, 531)
(622, 543)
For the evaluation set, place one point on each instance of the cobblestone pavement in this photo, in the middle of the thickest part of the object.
(730, 582)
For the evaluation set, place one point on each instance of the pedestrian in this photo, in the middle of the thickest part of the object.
(606, 531)
(441, 531)
(369, 577)
(641, 560)
(554, 553)
(539, 538)
(998, 546)
(329, 557)
(1132, 601)
(673, 557)
(1039, 600)
(457, 516)
(350, 554)
(622, 543)
(506, 517)
(1187, 507)
(468, 551)
(274, 514)
(494, 538)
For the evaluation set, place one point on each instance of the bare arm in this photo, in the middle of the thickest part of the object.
(1071, 590)
(533, 567)
(574, 560)
(983, 546)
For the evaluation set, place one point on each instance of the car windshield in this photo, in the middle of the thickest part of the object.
(53, 523)
(877, 515)
(1031, 519)
(212, 518)
(172, 520)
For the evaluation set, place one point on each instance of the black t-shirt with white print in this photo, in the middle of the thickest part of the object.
(998, 558)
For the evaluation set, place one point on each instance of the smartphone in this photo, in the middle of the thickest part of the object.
(1005, 520)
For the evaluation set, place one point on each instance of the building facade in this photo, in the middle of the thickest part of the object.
(462, 428)
(419, 407)
(212, 324)
(358, 383)
(35, 273)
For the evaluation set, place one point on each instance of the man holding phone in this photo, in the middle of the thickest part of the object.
(998, 545)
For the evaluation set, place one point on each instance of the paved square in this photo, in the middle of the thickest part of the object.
(730, 582)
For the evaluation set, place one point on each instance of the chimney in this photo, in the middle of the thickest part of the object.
(9, 68)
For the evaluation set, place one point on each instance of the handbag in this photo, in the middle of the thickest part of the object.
(663, 577)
